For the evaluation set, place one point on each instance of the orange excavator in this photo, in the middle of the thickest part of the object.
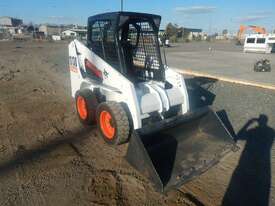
(243, 28)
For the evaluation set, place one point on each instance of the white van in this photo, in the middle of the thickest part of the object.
(260, 43)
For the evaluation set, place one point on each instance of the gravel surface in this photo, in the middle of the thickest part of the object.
(246, 177)
(48, 158)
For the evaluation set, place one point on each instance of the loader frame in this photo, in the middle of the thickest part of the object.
(143, 28)
(119, 79)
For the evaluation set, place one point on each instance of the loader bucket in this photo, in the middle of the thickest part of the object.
(179, 149)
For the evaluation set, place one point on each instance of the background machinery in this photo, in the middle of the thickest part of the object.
(243, 29)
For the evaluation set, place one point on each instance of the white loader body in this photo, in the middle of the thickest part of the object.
(141, 99)
(120, 83)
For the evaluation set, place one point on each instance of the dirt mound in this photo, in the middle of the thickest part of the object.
(7, 75)
(48, 158)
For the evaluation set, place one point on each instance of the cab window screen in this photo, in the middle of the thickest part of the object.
(146, 44)
(261, 41)
(250, 40)
(103, 42)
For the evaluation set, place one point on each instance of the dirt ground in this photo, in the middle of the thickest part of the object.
(48, 158)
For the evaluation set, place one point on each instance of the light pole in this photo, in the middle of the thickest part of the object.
(121, 5)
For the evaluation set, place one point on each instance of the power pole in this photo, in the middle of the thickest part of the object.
(121, 5)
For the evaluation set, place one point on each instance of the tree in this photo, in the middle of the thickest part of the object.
(180, 32)
(171, 30)
(30, 27)
(224, 32)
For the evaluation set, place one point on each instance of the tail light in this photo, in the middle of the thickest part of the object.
(92, 68)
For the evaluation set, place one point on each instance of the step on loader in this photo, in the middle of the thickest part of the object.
(120, 83)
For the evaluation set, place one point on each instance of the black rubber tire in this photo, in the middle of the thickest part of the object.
(120, 122)
(91, 103)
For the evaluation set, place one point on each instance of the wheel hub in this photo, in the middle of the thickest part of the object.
(82, 107)
(106, 124)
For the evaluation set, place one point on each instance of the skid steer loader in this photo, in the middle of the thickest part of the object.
(120, 83)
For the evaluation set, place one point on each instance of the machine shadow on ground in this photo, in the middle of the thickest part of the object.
(25, 156)
(199, 91)
(251, 181)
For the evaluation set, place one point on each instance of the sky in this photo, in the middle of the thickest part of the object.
(210, 15)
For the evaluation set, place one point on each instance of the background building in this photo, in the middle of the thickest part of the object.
(192, 34)
(10, 22)
(10, 26)
(69, 34)
(74, 33)
(179, 34)
(50, 30)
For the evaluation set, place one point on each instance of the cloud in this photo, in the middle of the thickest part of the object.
(57, 17)
(262, 13)
(251, 18)
(61, 19)
(196, 10)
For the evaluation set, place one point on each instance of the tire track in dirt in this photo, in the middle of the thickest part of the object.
(116, 175)
(23, 168)
(20, 171)
(56, 161)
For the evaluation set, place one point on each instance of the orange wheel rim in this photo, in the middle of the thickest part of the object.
(82, 107)
(106, 124)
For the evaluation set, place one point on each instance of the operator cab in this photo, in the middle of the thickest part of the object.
(128, 41)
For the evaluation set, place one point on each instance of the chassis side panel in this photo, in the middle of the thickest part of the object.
(114, 85)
